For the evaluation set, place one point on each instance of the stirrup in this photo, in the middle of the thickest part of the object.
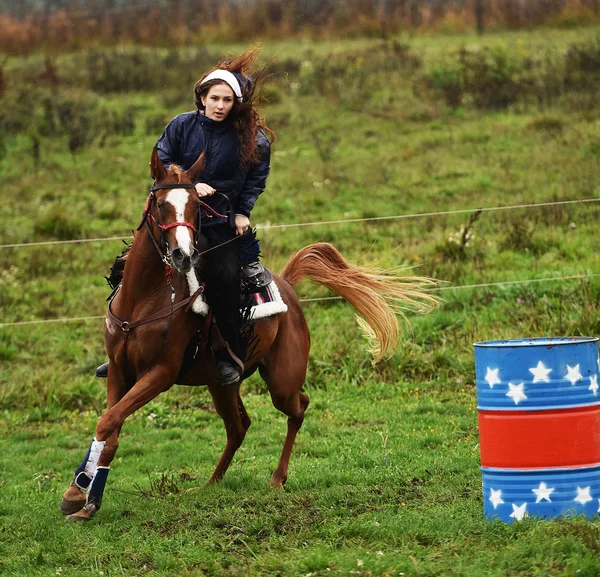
(102, 371)
(254, 276)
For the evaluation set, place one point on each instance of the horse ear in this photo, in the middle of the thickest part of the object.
(197, 167)
(157, 168)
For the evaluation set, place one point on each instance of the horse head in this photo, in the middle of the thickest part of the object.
(174, 206)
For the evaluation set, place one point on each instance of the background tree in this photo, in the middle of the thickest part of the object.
(479, 16)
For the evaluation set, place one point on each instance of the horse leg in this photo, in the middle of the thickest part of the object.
(291, 401)
(104, 445)
(228, 404)
(74, 497)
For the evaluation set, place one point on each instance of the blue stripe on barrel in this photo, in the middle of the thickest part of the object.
(537, 374)
(512, 495)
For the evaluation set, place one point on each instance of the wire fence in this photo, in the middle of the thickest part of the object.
(334, 222)
(269, 226)
(338, 298)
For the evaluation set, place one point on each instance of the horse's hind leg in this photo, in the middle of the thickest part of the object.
(228, 404)
(291, 401)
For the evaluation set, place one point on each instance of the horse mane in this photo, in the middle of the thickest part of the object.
(175, 170)
(115, 276)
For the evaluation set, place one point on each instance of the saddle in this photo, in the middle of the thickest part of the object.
(259, 298)
(202, 350)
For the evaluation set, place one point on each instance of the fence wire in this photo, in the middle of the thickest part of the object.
(268, 226)
(336, 298)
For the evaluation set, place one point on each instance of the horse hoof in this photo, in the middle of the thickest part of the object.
(275, 484)
(84, 514)
(73, 500)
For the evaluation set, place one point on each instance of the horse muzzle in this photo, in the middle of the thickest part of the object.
(182, 261)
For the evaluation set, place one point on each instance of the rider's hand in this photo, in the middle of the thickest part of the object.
(241, 224)
(204, 189)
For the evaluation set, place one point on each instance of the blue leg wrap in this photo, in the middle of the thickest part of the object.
(97, 487)
(83, 463)
(81, 479)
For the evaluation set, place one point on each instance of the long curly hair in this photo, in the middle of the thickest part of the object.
(246, 119)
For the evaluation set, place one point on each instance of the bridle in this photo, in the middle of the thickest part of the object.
(148, 219)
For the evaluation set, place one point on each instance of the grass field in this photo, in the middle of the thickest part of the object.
(384, 479)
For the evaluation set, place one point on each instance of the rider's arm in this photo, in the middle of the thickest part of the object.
(169, 144)
(256, 180)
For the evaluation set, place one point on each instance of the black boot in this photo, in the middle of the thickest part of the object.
(228, 373)
(253, 277)
(102, 371)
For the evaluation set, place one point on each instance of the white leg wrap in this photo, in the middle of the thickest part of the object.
(95, 452)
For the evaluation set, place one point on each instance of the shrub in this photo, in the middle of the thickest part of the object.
(496, 78)
(445, 79)
(57, 224)
(490, 77)
(135, 68)
(44, 111)
(582, 71)
(352, 79)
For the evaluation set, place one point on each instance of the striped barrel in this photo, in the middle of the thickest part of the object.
(539, 426)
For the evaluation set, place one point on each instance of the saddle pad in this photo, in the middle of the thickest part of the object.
(265, 302)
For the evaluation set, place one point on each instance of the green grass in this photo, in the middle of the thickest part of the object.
(384, 478)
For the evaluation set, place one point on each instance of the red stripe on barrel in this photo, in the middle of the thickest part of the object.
(540, 439)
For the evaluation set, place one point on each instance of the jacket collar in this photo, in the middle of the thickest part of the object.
(213, 125)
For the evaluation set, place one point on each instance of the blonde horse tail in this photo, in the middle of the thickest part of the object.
(379, 297)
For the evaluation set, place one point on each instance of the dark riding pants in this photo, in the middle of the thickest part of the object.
(222, 274)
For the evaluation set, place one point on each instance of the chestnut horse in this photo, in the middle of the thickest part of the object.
(149, 326)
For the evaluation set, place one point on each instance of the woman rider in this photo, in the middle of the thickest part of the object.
(226, 126)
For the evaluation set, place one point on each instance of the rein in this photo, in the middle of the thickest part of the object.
(127, 326)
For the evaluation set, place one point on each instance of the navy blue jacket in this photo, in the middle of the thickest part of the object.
(190, 133)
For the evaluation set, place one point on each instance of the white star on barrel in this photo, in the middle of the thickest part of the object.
(573, 375)
(593, 384)
(516, 392)
(543, 492)
(492, 378)
(583, 495)
(496, 497)
(540, 373)
(519, 512)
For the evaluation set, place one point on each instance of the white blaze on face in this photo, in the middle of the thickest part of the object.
(178, 197)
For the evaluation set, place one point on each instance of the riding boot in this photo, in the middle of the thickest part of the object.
(254, 276)
(102, 371)
(228, 374)
(222, 295)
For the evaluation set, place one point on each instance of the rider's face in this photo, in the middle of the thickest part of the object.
(218, 102)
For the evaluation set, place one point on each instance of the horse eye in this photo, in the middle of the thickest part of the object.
(161, 206)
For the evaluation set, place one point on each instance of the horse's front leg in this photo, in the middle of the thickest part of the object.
(228, 404)
(92, 474)
(74, 497)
